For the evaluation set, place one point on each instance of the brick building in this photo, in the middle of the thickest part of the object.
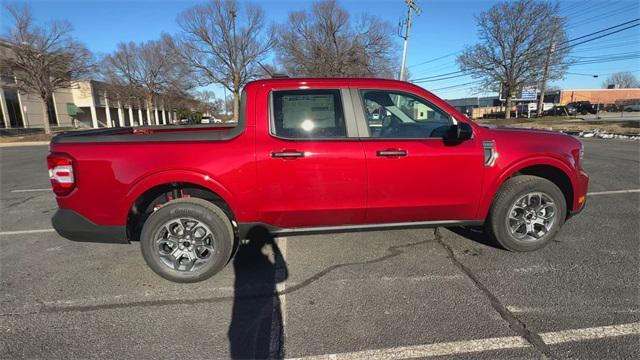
(595, 96)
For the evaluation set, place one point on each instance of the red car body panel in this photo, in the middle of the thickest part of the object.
(433, 182)
(338, 182)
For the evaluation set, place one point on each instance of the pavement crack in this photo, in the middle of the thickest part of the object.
(20, 202)
(514, 322)
(392, 251)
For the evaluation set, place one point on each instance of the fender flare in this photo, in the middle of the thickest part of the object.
(535, 160)
(173, 176)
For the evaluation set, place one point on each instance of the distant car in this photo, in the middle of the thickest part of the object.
(560, 111)
(611, 108)
(632, 107)
(186, 121)
(582, 107)
(216, 120)
(206, 120)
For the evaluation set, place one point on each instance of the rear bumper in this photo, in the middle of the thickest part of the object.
(73, 226)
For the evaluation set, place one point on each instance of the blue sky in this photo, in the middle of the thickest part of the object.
(443, 28)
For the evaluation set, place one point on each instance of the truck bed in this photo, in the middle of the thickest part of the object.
(205, 132)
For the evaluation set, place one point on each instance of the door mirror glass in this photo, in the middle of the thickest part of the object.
(459, 132)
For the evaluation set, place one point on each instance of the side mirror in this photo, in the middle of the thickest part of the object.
(459, 132)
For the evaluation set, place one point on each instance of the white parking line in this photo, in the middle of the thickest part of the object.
(30, 190)
(438, 349)
(613, 192)
(600, 332)
(21, 232)
(281, 272)
(279, 312)
(470, 346)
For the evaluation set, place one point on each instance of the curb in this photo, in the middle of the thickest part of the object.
(23, 143)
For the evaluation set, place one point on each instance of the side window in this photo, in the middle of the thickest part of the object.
(299, 114)
(392, 114)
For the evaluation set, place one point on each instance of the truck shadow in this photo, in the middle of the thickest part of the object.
(256, 329)
(475, 234)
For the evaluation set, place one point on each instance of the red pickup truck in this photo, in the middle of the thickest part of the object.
(311, 156)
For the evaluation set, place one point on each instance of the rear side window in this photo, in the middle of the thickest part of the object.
(299, 114)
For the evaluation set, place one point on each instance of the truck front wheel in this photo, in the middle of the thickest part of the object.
(187, 240)
(526, 213)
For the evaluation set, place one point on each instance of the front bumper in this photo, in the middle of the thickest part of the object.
(75, 227)
(583, 183)
(577, 211)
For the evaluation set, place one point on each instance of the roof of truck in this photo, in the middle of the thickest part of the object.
(333, 81)
(324, 79)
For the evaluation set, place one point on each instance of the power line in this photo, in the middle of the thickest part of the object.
(602, 16)
(459, 85)
(606, 56)
(603, 30)
(582, 13)
(606, 46)
(435, 59)
(422, 79)
(440, 79)
(596, 38)
(446, 67)
(584, 62)
(587, 62)
(444, 76)
(440, 75)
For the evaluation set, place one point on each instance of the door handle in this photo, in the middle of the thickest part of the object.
(287, 154)
(391, 152)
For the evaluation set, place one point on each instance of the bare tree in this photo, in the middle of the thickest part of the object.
(515, 46)
(623, 80)
(325, 42)
(148, 68)
(221, 46)
(44, 58)
(207, 101)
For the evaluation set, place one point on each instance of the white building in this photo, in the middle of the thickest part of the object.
(85, 104)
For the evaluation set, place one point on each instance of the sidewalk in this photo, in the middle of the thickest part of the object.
(23, 143)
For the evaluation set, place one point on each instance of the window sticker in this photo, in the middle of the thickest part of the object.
(318, 110)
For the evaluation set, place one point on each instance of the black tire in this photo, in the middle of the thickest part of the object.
(206, 213)
(511, 191)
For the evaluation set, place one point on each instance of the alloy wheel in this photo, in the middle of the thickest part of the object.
(184, 244)
(532, 216)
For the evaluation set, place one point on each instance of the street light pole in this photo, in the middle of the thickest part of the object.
(545, 74)
(411, 7)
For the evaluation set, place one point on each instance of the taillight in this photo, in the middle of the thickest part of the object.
(61, 173)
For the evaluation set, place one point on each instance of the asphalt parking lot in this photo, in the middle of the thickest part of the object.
(409, 293)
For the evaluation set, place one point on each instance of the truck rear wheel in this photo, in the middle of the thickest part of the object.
(187, 240)
(526, 213)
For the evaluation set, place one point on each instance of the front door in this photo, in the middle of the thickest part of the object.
(412, 174)
(311, 172)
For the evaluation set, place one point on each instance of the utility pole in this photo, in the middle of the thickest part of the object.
(411, 7)
(545, 72)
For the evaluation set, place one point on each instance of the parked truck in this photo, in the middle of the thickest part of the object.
(311, 156)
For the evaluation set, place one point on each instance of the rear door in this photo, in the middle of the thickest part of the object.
(412, 174)
(311, 166)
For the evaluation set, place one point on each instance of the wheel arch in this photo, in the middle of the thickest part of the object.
(552, 169)
(162, 187)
